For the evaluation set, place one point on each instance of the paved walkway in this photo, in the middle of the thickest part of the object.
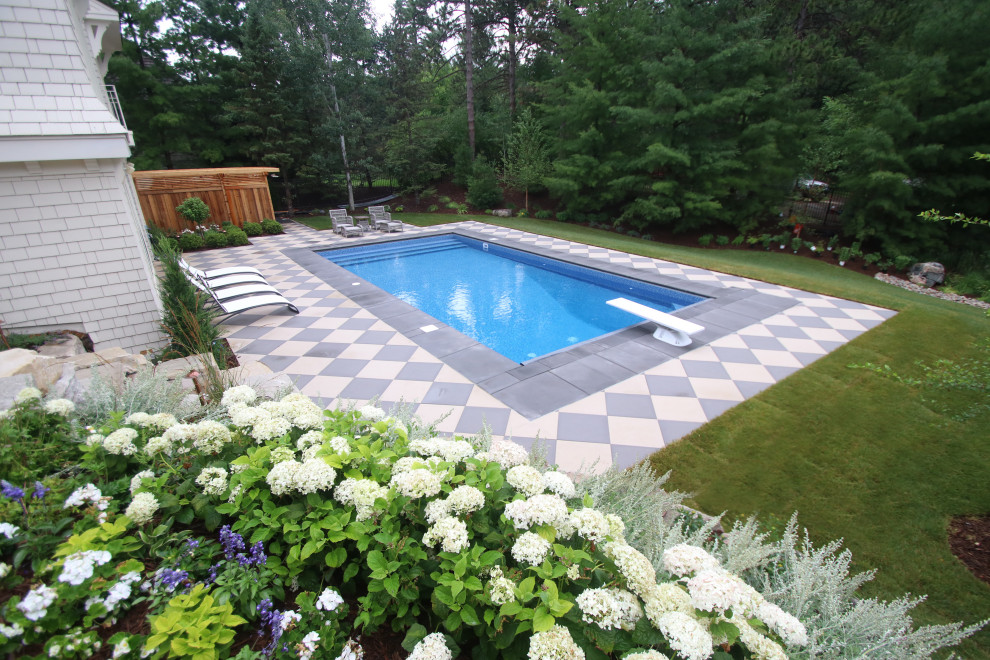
(336, 351)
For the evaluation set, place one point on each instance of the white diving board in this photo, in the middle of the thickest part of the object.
(670, 329)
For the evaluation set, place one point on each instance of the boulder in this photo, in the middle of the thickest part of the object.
(262, 379)
(502, 213)
(927, 273)
(10, 386)
(180, 367)
(16, 361)
(65, 345)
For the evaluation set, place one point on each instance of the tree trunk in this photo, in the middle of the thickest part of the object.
(287, 192)
(469, 73)
(336, 110)
(512, 61)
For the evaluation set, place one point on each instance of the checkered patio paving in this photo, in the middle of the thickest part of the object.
(337, 351)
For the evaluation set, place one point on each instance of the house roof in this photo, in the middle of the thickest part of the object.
(50, 79)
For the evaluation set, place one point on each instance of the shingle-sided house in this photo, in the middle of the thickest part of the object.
(73, 246)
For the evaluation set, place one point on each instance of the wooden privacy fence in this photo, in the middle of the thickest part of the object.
(237, 194)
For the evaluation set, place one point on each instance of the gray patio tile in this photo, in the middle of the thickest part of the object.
(250, 332)
(262, 346)
(474, 418)
(448, 394)
(365, 388)
(278, 362)
(715, 407)
(786, 331)
(530, 369)
(592, 374)
(301, 381)
(444, 341)
(702, 369)
(749, 389)
(582, 428)
(737, 355)
(357, 324)
(811, 321)
(669, 386)
(326, 350)
(341, 311)
(763, 343)
(539, 395)
(638, 357)
(630, 405)
(380, 337)
(626, 456)
(312, 334)
(328, 301)
(299, 322)
(780, 373)
(394, 353)
(478, 362)
(419, 371)
(499, 382)
(828, 312)
(676, 430)
(344, 367)
(807, 358)
(851, 334)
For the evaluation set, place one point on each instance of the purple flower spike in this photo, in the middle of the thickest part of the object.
(39, 491)
(233, 543)
(258, 556)
(8, 489)
(170, 579)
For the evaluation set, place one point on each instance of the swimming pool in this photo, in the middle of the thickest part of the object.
(519, 304)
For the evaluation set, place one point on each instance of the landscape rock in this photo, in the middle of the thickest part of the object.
(180, 367)
(927, 273)
(10, 386)
(16, 361)
(262, 379)
(502, 213)
(65, 345)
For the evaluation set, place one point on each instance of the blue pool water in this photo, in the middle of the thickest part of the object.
(518, 304)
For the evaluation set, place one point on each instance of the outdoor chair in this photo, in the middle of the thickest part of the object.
(383, 220)
(339, 219)
(237, 299)
(208, 275)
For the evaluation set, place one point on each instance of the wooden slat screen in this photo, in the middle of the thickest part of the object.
(237, 194)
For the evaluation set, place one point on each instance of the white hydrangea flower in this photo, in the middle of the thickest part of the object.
(138, 419)
(211, 437)
(5, 569)
(121, 442)
(213, 481)
(686, 635)
(78, 566)
(684, 559)
(633, 566)
(121, 590)
(329, 600)
(436, 509)
(242, 394)
(530, 549)
(94, 440)
(543, 509)
(361, 494)
(162, 421)
(431, 647)
(663, 598)
(243, 417)
(790, 629)
(500, 588)
(8, 530)
(281, 454)
(560, 484)
(158, 445)
(417, 483)
(760, 646)
(506, 453)
(610, 608)
(314, 475)
(646, 655)
(574, 572)
(180, 434)
(142, 508)
(309, 438)
(290, 619)
(450, 533)
(451, 451)
(27, 394)
(11, 631)
(270, 428)
(616, 528)
(120, 649)
(526, 480)
(407, 463)
(465, 499)
(139, 477)
(282, 477)
(340, 445)
(62, 407)
(554, 644)
(590, 525)
(88, 494)
(715, 590)
(311, 452)
(35, 604)
(371, 413)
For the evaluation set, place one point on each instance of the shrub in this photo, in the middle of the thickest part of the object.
(722, 240)
(190, 240)
(215, 239)
(705, 240)
(237, 237)
(483, 188)
(739, 240)
(543, 214)
(271, 226)
(871, 258)
(253, 229)
(845, 253)
(194, 210)
(186, 319)
(796, 244)
(903, 261)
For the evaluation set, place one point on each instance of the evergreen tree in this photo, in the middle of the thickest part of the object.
(527, 158)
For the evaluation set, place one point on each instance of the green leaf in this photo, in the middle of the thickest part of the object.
(524, 591)
(542, 619)
(416, 632)
(453, 621)
(336, 557)
(469, 616)
(391, 585)
(376, 561)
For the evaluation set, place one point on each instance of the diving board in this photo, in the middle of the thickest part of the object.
(670, 329)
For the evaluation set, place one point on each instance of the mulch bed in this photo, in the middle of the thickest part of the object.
(969, 539)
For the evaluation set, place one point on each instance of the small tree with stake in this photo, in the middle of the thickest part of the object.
(527, 158)
(194, 210)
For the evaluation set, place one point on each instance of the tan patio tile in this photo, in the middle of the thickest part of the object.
(593, 404)
(381, 369)
(864, 314)
(845, 324)
(308, 366)
(781, 320)
(716, 388)
(753, 373)
(344, 336)
(410, 391)
(776, 358)
(293, 348)
(729, 341)
(825, 334)
(703, 354)
(795, 345)
(756, 330)
(429, 413)
(679, 409)
(325, 387)
(635, 432)
(448, 374)
(281, 334)
(360, 351)
(543, 427)
(482, 399)
(634, 385)
(671, 368)
(328, 323)
(583, 457)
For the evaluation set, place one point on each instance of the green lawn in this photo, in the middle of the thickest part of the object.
(320, 222)
(860, 457)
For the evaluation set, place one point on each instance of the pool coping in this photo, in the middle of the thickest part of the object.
(552, 381)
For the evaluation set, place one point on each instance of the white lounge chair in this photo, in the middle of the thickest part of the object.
(237, 299)
(218, 272)
(670, 329)
(220, 281)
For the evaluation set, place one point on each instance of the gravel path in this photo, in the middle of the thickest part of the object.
(910, 286)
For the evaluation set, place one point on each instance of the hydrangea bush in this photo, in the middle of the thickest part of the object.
(265, 534)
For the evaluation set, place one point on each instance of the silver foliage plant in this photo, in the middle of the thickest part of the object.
(814, 584)
(145, 391)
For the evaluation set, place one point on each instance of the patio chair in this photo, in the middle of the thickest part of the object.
(339, 219)
(237, 299)
(220, 277)
(383, 220)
